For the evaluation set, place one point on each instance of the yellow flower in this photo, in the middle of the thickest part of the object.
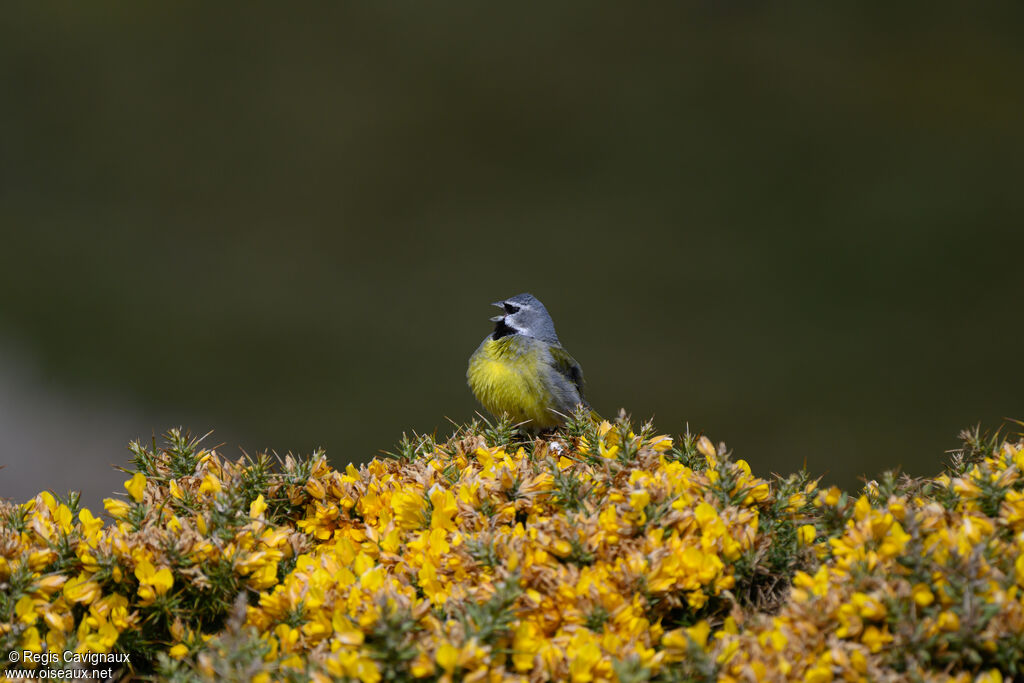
(63, 517)
(49, 585)
(257, 507)
(447, 657)
(91, 525)
(966, 488)
(38, 560)
(136, 486)
(30, 640)
(210, 484)
(699, 632)
(58, 622)
(858, 661)
(895, 539)
(876, 638)
(774, 639)
(408, 509)
(868, 607)
(118, 509)
(264, 577)
(81, 590)
(923, 595)
(660, 443)
(850, 623)
(818, 674)
(48, 500)
(152, 582)
(948, 621)
(178, 651)
(832, 496)
(422, 666)
(727, 653)
(583, 654)
(25, 610)
(316, 489)
(445, 507)
(527, 642)
(605, 451)
(990, 676)
(638, 500)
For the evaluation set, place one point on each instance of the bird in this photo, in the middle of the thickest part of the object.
(520, 369)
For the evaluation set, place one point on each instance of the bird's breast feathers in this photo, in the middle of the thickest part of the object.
(509, 375)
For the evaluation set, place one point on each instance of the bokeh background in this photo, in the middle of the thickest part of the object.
(795, 228)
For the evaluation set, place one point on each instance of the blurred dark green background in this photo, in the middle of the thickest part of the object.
(795, 228)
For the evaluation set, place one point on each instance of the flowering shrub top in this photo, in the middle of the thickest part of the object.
(924, 581)
(599, 553)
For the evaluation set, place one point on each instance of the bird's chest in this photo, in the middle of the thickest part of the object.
(508, 376)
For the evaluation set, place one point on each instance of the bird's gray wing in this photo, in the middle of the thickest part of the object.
(567, 367)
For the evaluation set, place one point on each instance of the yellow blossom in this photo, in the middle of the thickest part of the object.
(91, 525)
(81, 590)
(923, 595)
(583, 654)
(444, 509)
(257, 507)
(136, 486)
(152, 582)
(447, 657)
(819, 674)
(408, 509)
(990, 676)
(49, 585)
(38, 560)
(948, 621)
(30, 640)
(118, 509)
(24, 610)
(211, 484)
(660, 443)
(868, 607)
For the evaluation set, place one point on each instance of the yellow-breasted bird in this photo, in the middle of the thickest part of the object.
(521, 368)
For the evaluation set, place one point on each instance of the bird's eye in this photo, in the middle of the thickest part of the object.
(509, 308)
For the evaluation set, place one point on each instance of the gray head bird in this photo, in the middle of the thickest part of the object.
(525, 314)
(520, 369)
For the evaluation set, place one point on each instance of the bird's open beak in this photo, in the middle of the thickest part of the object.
(499, 304)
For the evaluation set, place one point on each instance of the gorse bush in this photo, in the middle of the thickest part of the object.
(603, 552)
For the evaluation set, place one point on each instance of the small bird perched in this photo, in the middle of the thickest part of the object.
(521, 368)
